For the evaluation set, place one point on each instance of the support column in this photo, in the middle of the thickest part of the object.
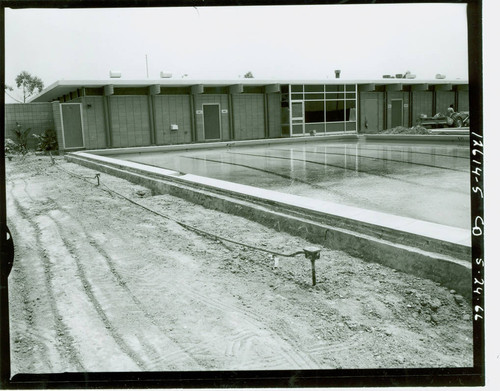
(196, 89)
(153, 90)
(56, 112)
(108, 91)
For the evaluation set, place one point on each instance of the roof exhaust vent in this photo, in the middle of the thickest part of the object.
(115, 74)
(440, 76)
(165, 75)
(337, 73)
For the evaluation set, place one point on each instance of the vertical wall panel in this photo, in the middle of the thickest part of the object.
(248, 110)
(422, 104)
(404, 96)
(94, 127)
(173, 110)
(371, 112)
(463, 100)
(274, 114)
(199, 99)
(130, 121)
(443, 100)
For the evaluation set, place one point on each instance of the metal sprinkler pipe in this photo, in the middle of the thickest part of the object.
(312, 253)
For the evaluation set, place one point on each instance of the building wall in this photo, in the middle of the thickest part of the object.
(129, 120)
(421, 104)
(94, 126)
(443, 100)
(172, 110)
(249, 116)
(274, 115)
(463, 100)
(405, 96)
(94, 122)
(364, 115)
(211, 98)
(37, 116)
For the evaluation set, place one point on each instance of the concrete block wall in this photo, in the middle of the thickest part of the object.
(56, 113)
(422, 104)
(129, 121)
(172, 110)
(274, 118)
(249, 117)
(443, 100)
(405, 96)
(463, 100)
(37, 116)
(198, 105)
(94, 126)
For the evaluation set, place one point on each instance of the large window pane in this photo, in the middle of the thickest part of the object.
(314, 96)
(350, 87)
(297, 110)
(297, 96)
(350, 110)
(335, 88)
(315, 111)
(337, 127)
(313, 88)
(298, 88)
(337, 95)
(335, 111)
(318, 127)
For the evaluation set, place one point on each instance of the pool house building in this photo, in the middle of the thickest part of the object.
(119, 113)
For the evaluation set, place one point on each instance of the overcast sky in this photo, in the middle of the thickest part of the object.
(290, 42)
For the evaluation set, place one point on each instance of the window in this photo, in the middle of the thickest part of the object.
(350, 110)
(335, 111)
(315, 111)
(313, 88)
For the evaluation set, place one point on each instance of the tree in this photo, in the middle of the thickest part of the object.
(248, 75)
(29, 84)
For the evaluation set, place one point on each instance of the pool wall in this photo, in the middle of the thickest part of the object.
(440, 253)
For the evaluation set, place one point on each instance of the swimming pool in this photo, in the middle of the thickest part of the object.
(425, 181)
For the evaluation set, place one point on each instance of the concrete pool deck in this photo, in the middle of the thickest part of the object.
(438, 252)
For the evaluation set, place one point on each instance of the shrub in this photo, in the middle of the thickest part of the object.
(47, 141)
(20, 139)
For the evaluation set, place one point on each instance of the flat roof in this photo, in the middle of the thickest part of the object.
(62, 87)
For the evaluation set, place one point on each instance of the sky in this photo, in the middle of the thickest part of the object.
(273, 42)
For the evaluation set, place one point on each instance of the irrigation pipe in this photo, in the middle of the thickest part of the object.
(311, 253)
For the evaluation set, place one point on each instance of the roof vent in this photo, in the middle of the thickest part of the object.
(440, 76)
(115, 74)
(165, 75)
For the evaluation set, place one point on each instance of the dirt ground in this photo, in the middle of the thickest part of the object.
(100, 284)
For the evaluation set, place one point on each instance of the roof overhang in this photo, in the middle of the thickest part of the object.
(63, 87)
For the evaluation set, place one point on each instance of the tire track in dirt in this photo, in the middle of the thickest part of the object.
(108, 293)
(56, 331)
(91, 295)
(25, 333)
(250, 327)
(63, 295)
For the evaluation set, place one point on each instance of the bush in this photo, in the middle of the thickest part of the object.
(20, 139)
(47, 141)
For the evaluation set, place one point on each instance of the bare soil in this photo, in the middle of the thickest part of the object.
(100, 284)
